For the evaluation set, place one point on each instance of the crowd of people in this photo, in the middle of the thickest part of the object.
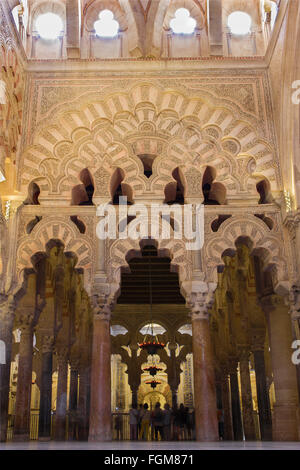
(161, 424)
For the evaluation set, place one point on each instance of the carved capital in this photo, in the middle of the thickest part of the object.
(200, 304)
(62, 354)
(269, 303)
(232, 365)
(47, 343)
(258, 339)
(244, 354)
(102, 306)
(7, 311)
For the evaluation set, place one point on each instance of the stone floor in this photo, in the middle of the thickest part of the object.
(151, 446)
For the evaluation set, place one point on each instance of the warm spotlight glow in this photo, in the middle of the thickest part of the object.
(49, 26)
(183, 23)
(239, 22)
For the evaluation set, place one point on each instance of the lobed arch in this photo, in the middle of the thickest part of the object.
(110, 101)
(121, 251)
(259, 237)
(40, 7)
(186, 131)
(159, 19)
(55, 228)
(127, 17)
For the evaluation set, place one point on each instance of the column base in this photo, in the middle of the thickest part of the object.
(45, 439)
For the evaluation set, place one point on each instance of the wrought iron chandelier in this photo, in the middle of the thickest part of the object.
(153, 369)
(153, 383)
(151, 345)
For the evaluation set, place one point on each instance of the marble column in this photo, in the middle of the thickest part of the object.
(263, 399)
(73, 401)
(6, 326)
(100, 406)
(83, 403)
(24, 384)
(228, 430)
(204, 375)
(61, 400)
(285, 414)
(174, 372)
(248, 421)
(235, 405)
(46, 389)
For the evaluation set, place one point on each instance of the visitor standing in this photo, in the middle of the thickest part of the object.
(133, 421)
(158, 421)
(145, 423)
(167, 414)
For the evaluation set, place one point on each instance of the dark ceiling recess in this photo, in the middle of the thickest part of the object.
(135, 286)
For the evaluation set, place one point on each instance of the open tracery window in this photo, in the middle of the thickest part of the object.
(183, 23)
(106, 26)
(239, 23)
(49, 26)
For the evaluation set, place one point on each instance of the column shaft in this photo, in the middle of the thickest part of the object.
(45, 397)
(204, 382)
(83, 404)
(100, 417)
(61, 401)
(6, 337)
(24, 384)
(248, 421)
(236, 407)
(228, 430)
(73, 399)
(285, 417)
(263, 399)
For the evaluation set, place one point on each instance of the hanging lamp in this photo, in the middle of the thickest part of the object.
(153, 383)
(152, 370)
(151, 345)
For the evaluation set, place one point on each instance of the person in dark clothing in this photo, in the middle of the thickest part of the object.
(182, 421)
(176, 423)
(158, 421)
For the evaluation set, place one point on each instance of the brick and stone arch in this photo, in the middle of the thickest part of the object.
(121, 251)
(57, 228)
(123, 13)
(261, 237)
(186, 131)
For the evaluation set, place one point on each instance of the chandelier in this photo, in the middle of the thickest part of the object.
(152, 346)
(152, 370)
(153, 383)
